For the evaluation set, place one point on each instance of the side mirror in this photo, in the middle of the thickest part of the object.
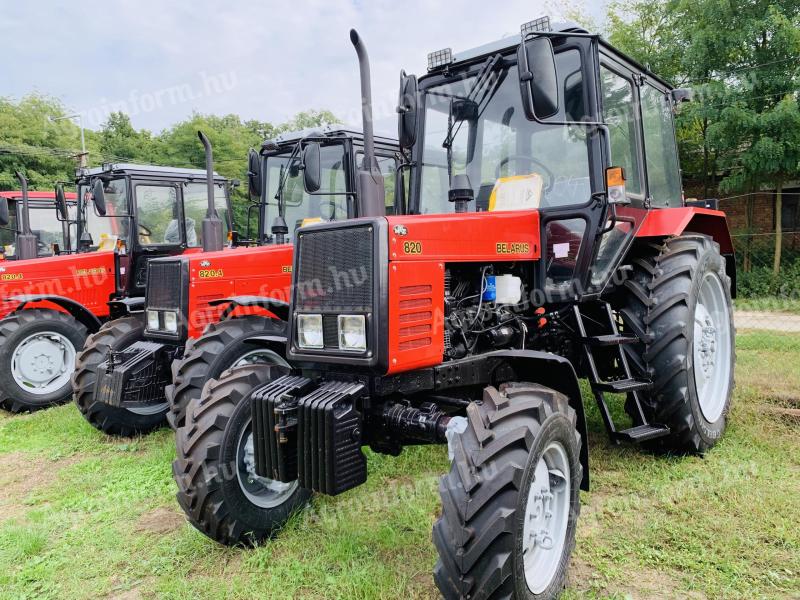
(61, 203)
(538, 78)
(311, 167)
(407, 110)
(99, 197)
(4, 217)
(254, 173)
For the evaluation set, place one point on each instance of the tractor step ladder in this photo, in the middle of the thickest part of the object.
(626, 383)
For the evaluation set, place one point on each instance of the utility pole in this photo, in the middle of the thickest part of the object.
(83, 156)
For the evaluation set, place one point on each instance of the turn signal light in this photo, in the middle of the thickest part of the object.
(615, 185)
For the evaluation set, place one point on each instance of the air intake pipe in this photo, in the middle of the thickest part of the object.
(212, 224)
(26, 244)
(371, 193)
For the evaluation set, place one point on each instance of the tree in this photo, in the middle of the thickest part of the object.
(120, 142)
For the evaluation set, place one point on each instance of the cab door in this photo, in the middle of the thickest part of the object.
(159, 228)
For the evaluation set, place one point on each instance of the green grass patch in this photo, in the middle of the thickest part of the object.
(87, 516)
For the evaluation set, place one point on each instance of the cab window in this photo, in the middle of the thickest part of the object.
(663, 174)
(105, 230)
(158, 217)
(619, 114)
(195, 204)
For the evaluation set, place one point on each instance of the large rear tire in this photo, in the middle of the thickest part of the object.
(222, 346)
(678, 300)
(510, 502)
(37, 357)
(112, 420)
(215, 469)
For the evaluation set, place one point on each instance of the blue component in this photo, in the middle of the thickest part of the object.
(490, 291)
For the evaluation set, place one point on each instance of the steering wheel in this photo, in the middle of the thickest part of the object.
(551, 179)
(144, 231)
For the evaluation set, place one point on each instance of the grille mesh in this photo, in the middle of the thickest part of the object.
(164, 285)
(335, 270)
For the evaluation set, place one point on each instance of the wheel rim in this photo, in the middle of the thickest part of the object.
(261, 356)
(43, 363)
(712, 347)
(261, 491)
(547, 508)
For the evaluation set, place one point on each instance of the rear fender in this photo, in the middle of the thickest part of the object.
(667, 222)
(552, 371)
(81, 314)
(277, 308)
(276, 343)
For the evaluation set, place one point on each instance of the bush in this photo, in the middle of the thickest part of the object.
(760, 282)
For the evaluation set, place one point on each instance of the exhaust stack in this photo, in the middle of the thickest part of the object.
(371, 193)
(212, 224)
(26, 244)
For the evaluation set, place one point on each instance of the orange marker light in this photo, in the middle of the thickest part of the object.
(615, 185)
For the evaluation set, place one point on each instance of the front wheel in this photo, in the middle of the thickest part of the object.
(218, 487)
(510, 502)
(113, 420)
(37, 356)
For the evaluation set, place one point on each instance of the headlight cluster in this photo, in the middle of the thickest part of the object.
(352, 332)
(162, 320)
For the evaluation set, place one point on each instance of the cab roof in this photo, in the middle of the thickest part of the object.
(145, 170)
(327, 131)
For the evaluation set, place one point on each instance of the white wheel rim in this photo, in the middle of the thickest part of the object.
(544, 531)
(711, 348)
(43, 363)
(261, 491)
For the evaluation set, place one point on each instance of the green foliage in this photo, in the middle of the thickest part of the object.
(46, 150)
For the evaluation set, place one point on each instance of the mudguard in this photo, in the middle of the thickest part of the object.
(82, 314)
(277, 307)
(555, 372)
(123, 307)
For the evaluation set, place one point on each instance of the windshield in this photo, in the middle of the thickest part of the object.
(504, 154)
(328, 204)
(195, 205)
(105, 231)
(44, 225)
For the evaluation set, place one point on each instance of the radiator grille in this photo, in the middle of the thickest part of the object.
(164, 286)
(335, 271)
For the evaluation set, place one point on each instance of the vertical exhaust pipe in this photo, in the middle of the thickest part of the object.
(26, 246)
(212, 224)
(371, 193)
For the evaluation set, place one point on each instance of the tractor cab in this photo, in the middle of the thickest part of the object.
(535, 122)
(142, 212)
(310, 176)
(54, 233)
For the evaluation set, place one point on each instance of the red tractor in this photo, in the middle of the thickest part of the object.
(546, 240)
(125, 380)
(126, 215)
(46, 217)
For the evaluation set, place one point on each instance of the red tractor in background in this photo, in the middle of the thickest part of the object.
(126, 215)
(547, 239)
(143, 367)
(48, 219)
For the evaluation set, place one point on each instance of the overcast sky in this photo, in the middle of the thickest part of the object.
(159, 61)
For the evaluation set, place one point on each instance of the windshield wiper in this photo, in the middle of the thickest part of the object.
(279, 227)
(483, 88)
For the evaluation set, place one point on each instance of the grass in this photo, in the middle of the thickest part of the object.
(86, 516)
(773, 304)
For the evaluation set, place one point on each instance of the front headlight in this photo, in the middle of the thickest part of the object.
(352, 332)
(309, 331)
(152, 320)
(171, 321)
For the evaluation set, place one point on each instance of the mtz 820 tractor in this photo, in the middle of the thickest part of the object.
(127, 215)
(546, 240)
(46, 215)
(125, 380)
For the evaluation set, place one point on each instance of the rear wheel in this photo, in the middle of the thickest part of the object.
(222, 346)
(218, 487)
(510, 502)
(679, 300)
(113, 420)
(37, 356)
